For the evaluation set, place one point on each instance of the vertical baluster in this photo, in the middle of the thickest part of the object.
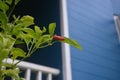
(49, 76)
(39, 75)
(28, 74)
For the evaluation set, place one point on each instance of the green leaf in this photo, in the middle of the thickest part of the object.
(38, 30)
(4, 54)
(9, 27)
(44, 30)
(8, 42)
(72, 42)
(27, 20)
(1, 38)
(18, 41)
(3, 18)
(38, 43)
(22, 79)
(1, 41)
(4, 7)
(45, 39)
(26, 37)
(29, 31)
(8, 1)
(12, 73)
(16, 2)
(6, 64)
(17, 29)
(17, 52)
(52, 28)
(27, 41)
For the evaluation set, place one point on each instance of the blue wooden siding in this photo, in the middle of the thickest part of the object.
(91, 23)
(116, 6)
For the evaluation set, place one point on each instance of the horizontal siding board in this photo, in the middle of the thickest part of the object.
(85, 75)
(92, 7)
(93, 33)
(94, 59)
(116, 6)
(94, 69)
(91, 23)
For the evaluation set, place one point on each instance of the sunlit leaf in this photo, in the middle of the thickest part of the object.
(17, 52)
(38, 30)
(52, 28)
(4, 54)
(45, 39)
(27, 41)
(72, 42)
(29, 31)
(38, 43)
(26, 37)
(27, 20)
(17, 30)
(8, 42)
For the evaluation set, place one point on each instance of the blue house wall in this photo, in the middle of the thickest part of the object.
(91, 23)
(116, 6)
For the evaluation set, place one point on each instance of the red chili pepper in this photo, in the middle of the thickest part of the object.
(56, 37)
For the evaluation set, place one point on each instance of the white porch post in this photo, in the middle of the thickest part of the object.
(65, 47)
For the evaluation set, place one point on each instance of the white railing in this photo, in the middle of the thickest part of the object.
(39, 69)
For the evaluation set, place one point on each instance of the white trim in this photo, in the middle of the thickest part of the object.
(117, 24)
(66, 58)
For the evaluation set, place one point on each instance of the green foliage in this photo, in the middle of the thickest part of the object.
(11, 72)
(52, 28)
(19, 32)
(26, 21)
(3, 6)
(3, 19)
(72, 42)
(17, 52)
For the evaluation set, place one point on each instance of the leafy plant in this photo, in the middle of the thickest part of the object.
(18, 32)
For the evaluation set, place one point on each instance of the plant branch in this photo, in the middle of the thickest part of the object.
(12, 6)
